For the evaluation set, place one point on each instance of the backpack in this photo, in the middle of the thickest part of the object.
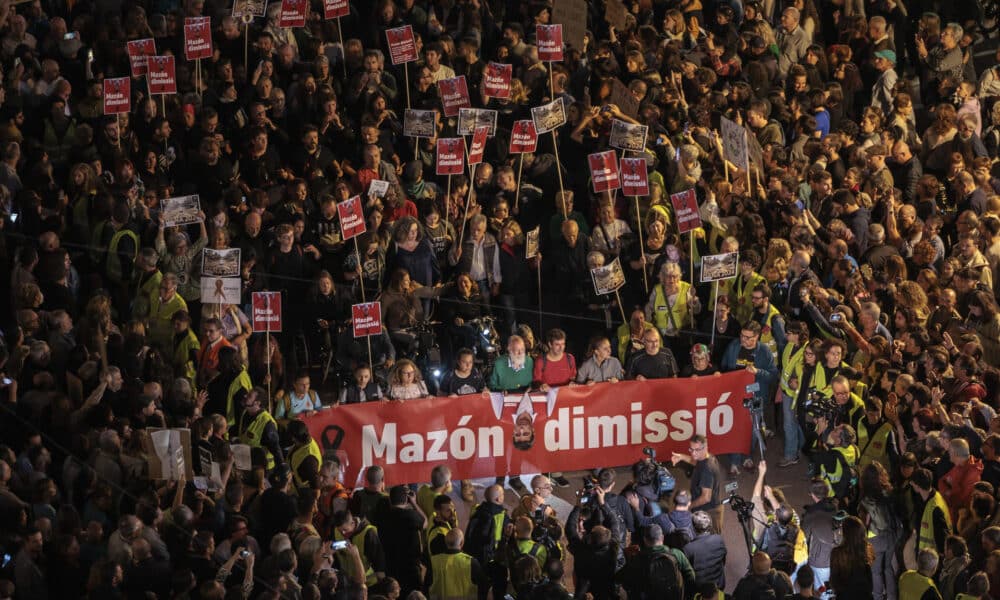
(780, 547)
(480, 535)
(663, 578)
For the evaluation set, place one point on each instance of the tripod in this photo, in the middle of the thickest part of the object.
(756, 408)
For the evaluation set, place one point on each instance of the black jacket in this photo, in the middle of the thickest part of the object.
(707, 553)
(817, 525)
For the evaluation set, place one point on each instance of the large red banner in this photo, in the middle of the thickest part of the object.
(569, 428)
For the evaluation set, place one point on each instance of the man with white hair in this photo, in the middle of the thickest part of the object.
(793, 41)
(919, 584)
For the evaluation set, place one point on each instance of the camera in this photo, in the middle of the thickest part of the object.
(244, 553)
(836, 317)
(817, 405)
(742, 506)
(658, 476)
(586, 493)
(752, 401)
(338, 545)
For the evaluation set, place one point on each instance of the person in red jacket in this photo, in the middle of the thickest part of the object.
(956, 485)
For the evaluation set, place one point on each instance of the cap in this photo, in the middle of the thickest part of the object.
(888, 55)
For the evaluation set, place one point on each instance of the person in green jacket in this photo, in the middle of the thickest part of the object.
(512, 372)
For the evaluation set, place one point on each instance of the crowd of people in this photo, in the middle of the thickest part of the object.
(866, 221)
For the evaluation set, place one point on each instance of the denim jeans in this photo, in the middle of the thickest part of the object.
(794, 438)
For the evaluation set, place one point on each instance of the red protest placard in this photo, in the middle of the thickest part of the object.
(496, 80)
(293, 13)
(478, 146)
(334, 9)
(635, 177)
(686, 210)
(604, 171)
(352, 218)
(454, 95)
(367, 319)
(450, 156)
(138, 50)
(266, 314)
(402, 47)
(162, 74)
(117, 95)
(197, 38)
(523, 137)
(550, 42)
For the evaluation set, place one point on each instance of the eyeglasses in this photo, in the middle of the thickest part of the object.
(756, 297)
(696, 448)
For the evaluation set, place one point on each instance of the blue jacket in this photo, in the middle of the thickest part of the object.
(767, 369)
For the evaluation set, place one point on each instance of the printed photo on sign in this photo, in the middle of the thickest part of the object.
(470, 119)
(454, 95)
(266, 311)
(609, 278)
(604, 171)
(531, 242)
(734, 142)
(117, 95)
(523, 137)
(628, 136)
(549, 40)
(335, 9)
(162, 74)
(549, 116)
(450, 158)
(419, 123)
(378, 188)
(197, 38)
(367, 319)
(221, 290)
(478, 146)
(496, 80)
(293, 13)
(635, 177)
(717, 267)
(249, 9)
(402, 47)
(181, 210)
(221, 263)
(138, 50)
(686, 210)
(352, 217)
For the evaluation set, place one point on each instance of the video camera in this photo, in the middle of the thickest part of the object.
(742, 506)
(752, 401)
(817, 405)
(586, 493)
(658, 476)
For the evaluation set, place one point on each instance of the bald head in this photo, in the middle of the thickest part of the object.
(494, 494)
(454, 539)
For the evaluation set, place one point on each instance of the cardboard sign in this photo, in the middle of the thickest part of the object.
(549, 39)
(266, 311)
(628, 136)
(180, 210)
(335, 9)
(450, 156)
(496, 80)
(686, 210)
(221, 290)
(162, 74)
(454, 95)
(402, 46)
(523, 137)
(168, 453)
(635, 177)
(549, 116)
(734, 143)
(117, 95)
(367, 319)
(220, 263)
(531, 239)
(197, 38)
(604, 171)
(378, 188)
(478, 146)
(138, 50)
(469, 119)
(717, 267)
(609, 278)
(293, 13)
(352, 217)
(419, 123)
(572, 14)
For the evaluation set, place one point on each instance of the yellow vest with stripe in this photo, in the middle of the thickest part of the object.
(145, 293)
(913, 585)
(790, 361)
(925, 537)
(358, 539)
(182, 355)
(766, 337)
(435, 531)
(161, 326)
(114, 263)
(742, 304)
(533, 549)
(452, 577)
(299, 455)
(498, 520)
(662, 309)
(874, 446)
(850, 455)
(253, 434)
(242, 382)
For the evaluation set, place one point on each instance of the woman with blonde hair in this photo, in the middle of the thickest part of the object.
(406, 382)
(910, 295)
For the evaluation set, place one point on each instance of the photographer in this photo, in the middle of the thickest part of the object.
(678, 519)
(617, 505)
(521, 543)
(757, 359)
(400, 531)
(837, 458)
